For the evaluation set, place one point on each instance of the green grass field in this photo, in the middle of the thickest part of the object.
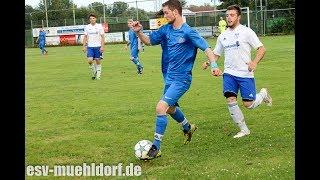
(71, 119)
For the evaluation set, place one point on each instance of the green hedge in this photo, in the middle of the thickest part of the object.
(284, 25)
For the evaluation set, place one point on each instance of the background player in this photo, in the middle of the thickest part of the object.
(42, 41)
(134, 48)
(93, 44)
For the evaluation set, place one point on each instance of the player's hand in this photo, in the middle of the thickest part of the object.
(101, 49)
(252, 66)
(136, 26)
(216, 72)
(205, 65)
(84, 49)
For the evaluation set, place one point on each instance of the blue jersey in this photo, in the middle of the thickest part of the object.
(42, 37)
(182, 47)
(133, 43)
(164, 58)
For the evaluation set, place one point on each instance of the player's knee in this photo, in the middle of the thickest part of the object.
(90, 61)
(231, 99)
(161, 108)
(171, 110)
(247, 103)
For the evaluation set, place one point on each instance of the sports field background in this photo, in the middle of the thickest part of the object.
(71, 119)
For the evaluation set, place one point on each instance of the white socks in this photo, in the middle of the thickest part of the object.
(259, 98)
(237, 116)
(98, 69)
(92, 70)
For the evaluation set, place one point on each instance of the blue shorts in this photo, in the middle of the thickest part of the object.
(93, 52)
(41, 45)
(172, 92)
(246, 85)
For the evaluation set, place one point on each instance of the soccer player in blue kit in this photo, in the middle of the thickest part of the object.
(134, 51)
(42, 41)
(182, 43)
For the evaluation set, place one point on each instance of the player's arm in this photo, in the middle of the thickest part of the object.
(144, 38)
(137, 28)
(102, 39)
(254, 42)
(85, 42)
(252, 65)
(212, 62)
(102, 43)
(209, 53)
(199, 42)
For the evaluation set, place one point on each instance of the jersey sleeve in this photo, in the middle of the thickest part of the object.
(197, 40)
(253, 39)
(218, 49)
(156, 36)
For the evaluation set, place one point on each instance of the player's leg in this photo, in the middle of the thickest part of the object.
(92, 68)
(187, 128)
(250, 99)
(230, 91)
(135, 59)
(41, 46)
(176, 113)
(171, 96)
(45, 50)
(161, 125)
(97, 55)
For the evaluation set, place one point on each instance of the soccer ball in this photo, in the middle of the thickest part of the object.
(141, 149)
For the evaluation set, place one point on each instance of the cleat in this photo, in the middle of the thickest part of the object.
(267, 99)
(94, 77)
(98, 78)
(140, 70)
(241, 134)
(154, 152)
(188, 134)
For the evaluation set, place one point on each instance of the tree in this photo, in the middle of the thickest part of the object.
(97, 7)
(272, 4)
(183, 3)
(119, 8)
(83, 13)
(58, 10)
(241, 3)
(205, 7)
(27, 18)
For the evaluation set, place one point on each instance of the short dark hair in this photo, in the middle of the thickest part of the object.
(92, 15)
(235, 7)
(159, 13)
(173, 4)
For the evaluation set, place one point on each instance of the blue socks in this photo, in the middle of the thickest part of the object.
(179, 117)
(161, 124)
(136, 61)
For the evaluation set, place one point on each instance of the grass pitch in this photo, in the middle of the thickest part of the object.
(71, 119)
